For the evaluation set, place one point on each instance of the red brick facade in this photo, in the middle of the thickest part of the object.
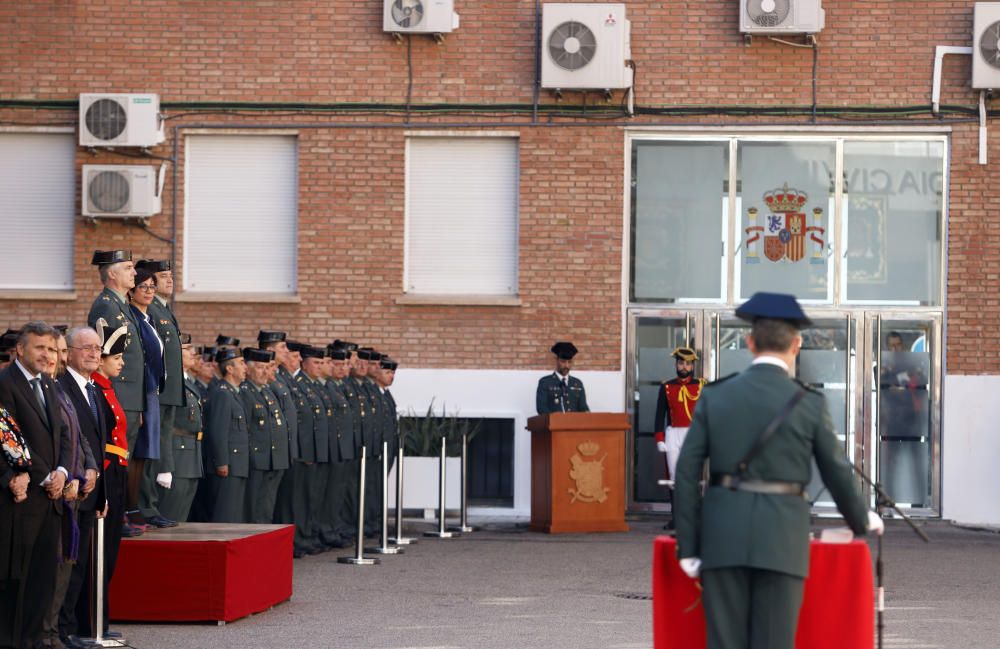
(572, 193)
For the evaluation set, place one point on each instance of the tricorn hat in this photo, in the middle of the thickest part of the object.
(153, 265)
(105, 257)
(223, 340)
(389, 364)
(684, 354)
(265, 336)
(308, 351)
(258, 355)
(337, 353)
(226, 354)
(113, 340)
(185, 338)
(295, 346)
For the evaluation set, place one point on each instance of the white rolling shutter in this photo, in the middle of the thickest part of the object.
(37, 210)
(241, 217)
(462, 216)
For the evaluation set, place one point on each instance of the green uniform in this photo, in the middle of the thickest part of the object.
(293, 500)
(351, 388)
(754, 547)
(188, 468)
(268, 431)
(228, 443)
(342, 452)
(171, 398)
(318, 475)
(552, 395)
(374, 434)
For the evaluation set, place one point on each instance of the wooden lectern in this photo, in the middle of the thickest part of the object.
(577, 472)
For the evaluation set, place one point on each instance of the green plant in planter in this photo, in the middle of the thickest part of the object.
(422, 434)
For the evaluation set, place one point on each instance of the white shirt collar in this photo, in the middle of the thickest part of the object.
(765, 359)
(79, 378)
(27, 375)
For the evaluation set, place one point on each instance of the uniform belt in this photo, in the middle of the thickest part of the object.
(184, 433)
(116, 450)
(772, 487)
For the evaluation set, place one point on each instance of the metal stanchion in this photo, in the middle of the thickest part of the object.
(359, 558)
(463, 525)
(385, 548)
(99, 582)
(441, 533)
(399, 539)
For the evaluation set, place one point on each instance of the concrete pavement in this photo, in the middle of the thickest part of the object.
(505, 587)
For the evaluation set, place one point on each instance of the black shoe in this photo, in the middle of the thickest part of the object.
(76, 642)
(338, 544)
(298, 554)
(161, 521)
(135, 517)
(113, 635)
(128, 531)
(316, 549)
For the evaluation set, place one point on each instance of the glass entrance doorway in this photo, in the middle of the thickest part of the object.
(880, 373)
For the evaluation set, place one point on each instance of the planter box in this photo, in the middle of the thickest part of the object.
(420, 483)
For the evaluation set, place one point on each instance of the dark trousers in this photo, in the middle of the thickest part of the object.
(26, 601)
(746, 608)
(301, 477)
(175, 502)
(348, 519)
(67, 614)
(115, 480)
(229, 496)
(262, 495)
(333, 502)
(316, 493)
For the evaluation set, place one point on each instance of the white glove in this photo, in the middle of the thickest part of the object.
(164, 480)
(875, 524)
(691, 566)
(661, 447)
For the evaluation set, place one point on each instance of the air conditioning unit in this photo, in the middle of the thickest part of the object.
(781, 16)
(120, 120)
(986, 46)
(585, 46)
(419, 16)
(122, 191)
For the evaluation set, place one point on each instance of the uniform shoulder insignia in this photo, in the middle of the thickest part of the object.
(807, 387)
(725, 378)
(105, 298)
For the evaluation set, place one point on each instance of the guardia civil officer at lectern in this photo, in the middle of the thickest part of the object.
(560, 392)
(749, 536)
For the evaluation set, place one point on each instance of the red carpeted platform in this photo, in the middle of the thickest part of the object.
(838, 608)
(202, 572)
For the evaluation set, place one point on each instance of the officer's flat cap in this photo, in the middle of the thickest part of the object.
(684, 354)
(564, 350)
(153, 265)
(223, 340)
(105, 257)
(389, 364)
(226, 354)
(265, 336)
(258, 355)
(295, 346)
(185, 338)
(773, 306)
(337, 353)
(308, 351)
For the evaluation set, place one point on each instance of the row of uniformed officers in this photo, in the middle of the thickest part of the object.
(278, 430)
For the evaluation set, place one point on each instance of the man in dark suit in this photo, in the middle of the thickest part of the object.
(749, 538)
(560, 392)
(84, 357)
(27, 587)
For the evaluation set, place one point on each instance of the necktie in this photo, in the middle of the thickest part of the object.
(565, 391)
(36, 387)
(92, 400)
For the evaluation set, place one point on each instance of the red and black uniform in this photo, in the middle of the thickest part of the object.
(675, 404)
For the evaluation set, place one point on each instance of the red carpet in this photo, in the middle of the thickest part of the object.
(202, 572)
(838, 608)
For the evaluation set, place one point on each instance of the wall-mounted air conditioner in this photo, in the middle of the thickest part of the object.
(781, 16)
(120, 120)
(122, 191)
(986, 46)
(585, 46)
(419, 16)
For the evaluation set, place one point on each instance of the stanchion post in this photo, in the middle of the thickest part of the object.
(98, 557)
(463, 525)
(399, 539)
(385, 548)
(442, 533)
(359, 558)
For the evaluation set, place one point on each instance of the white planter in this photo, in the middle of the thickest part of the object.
(420, 483)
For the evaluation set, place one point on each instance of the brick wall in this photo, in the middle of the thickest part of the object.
(572, 193)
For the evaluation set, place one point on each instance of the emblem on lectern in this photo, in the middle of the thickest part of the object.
(588, 474)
